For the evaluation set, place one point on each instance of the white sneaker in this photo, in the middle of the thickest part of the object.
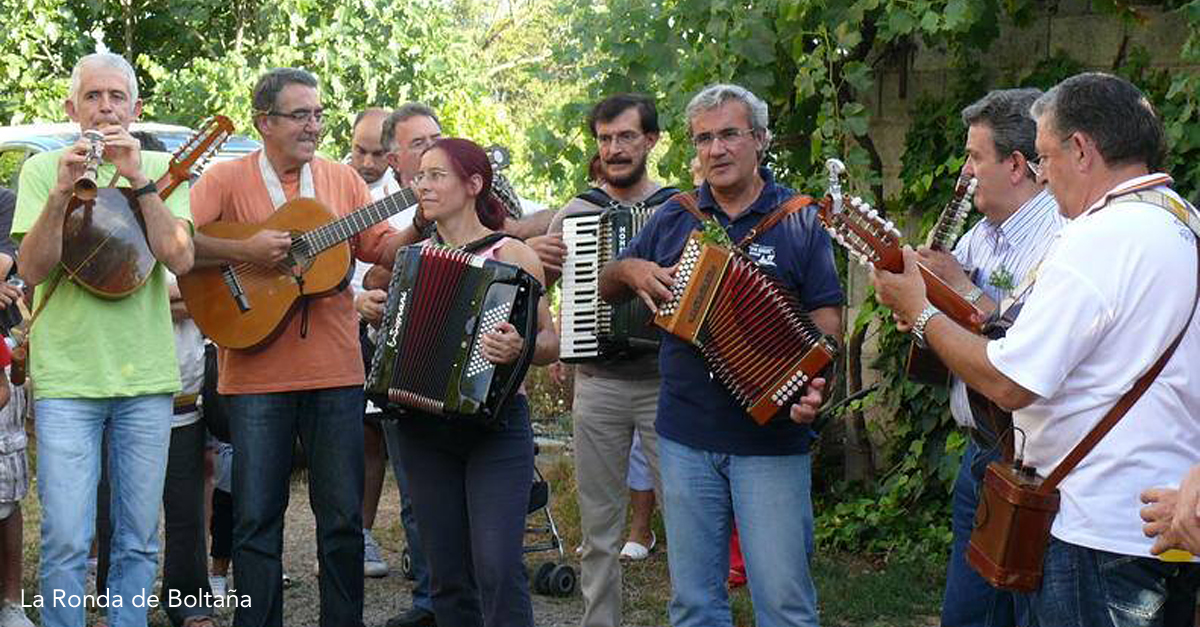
(218, 585)
(12, 615)
(373, 563)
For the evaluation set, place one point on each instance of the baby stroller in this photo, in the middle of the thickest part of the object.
(550, 578)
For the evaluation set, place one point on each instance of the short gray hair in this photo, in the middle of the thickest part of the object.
(106, 59)
(266, 91)
(1112, 112)
(402, 113)
(714, 96)
(1006, 113)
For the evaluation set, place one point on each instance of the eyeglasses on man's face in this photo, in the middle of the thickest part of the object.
(623, 139)
(300, 116)
(726, 135)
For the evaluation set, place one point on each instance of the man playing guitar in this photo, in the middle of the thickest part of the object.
(307, 380)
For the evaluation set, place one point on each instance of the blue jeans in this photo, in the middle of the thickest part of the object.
(969, 601)
(420, 568)
(769, 496)
(470, 492)
(263, 428)
(69, 433)
(1084, 587)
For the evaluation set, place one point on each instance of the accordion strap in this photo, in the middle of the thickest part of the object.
(1123, 404)
(689, 201)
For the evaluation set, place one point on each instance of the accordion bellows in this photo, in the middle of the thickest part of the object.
(753, 333)
(428, 357)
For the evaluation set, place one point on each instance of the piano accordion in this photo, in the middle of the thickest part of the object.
(591, 328)
(428, 356)
(753, 333)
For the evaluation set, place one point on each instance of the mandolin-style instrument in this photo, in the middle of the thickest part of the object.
(923, 364)
(104, 238)
(875, 241)
(243, 305)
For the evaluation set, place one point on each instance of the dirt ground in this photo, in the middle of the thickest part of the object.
(385, 597)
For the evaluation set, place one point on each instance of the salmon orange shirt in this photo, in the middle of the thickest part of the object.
(328, 355)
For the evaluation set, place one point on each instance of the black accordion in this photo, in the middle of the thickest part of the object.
(591, 328)
(428, 356)
(755, 336)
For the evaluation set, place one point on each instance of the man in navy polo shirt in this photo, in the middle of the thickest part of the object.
(716, 463)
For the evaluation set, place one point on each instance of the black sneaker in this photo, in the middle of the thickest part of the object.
(413, 617)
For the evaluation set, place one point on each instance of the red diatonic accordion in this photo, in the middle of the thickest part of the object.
(440, 303)
(757, 339)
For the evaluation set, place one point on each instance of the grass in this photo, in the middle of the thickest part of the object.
(852, 590)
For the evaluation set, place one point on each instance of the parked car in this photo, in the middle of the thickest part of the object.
(18, 143)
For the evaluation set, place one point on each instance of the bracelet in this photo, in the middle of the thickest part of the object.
(148, 188)
(918, 327)
(974, 295)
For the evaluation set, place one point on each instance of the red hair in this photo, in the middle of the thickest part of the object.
(468, 159)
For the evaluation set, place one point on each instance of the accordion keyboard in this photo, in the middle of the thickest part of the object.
(580, 287)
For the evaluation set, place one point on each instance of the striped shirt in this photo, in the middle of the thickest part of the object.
(997, 257)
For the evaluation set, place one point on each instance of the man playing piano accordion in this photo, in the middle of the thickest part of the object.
(715, 461)
(615, 396)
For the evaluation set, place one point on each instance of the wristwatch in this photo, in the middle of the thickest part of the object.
(974, 295)
(918, 327)
(148, 188)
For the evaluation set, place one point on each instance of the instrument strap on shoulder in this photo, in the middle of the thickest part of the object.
(690, 202)
(1187, 215)
(785, 209)
(484, 242)
(600, 198)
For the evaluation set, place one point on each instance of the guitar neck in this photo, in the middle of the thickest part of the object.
(945, 230)
(342, 229)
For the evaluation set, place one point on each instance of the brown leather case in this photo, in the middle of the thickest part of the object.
(1012, 529)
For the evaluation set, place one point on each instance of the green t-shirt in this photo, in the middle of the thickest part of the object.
(83, 346)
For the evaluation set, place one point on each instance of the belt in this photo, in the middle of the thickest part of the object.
(186, 404)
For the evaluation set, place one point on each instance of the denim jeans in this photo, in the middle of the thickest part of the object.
(69, 433)
(1084, 587)
(769, 496)
(969, 601)
(263, 428)
(470, 492)
(420, 568)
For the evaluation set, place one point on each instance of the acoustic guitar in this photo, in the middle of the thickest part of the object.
(875, 241)
(923, 365)
(104, 239)
(244, 305)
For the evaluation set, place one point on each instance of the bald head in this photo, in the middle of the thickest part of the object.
(367, 154)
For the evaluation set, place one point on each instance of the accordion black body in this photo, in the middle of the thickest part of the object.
(591, 328)
(428, 356)
(754, 334)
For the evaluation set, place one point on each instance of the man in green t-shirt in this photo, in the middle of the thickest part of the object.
(96, 363)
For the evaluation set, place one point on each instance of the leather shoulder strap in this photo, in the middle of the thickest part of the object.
(1123, 404)
(785, 209)
(690, 201)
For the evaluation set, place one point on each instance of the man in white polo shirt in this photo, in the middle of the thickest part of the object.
(1116, 289)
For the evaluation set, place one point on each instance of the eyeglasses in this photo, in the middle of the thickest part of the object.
(1037, 166)
(624, 138)
(421, 143)
(727, 136)
(433, 176)
(299, 116)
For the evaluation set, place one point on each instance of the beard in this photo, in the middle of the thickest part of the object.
(629, 180)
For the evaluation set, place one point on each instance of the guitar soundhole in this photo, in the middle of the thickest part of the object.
(299, 258)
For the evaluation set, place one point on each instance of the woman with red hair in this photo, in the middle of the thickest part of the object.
(470, 488)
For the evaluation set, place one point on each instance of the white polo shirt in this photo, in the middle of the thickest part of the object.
(1113, 292)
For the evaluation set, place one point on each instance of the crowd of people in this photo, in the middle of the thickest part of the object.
(1073, 237)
